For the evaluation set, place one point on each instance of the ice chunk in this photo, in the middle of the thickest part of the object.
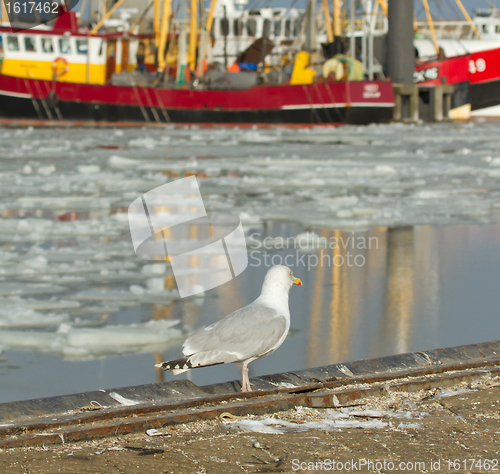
(38, 262)
(89, 169)
(344, 214)
(274, 426)
(124, 401)
(144, 142)
(154, 269)
(88, 343)
(414, 426)
(384, 170)
(10, 288)
(46, 170)
(121, 162)
(136, 290)
(447, 392)
(360, 424)
(495, 162)
(344, 201)
(17, 316)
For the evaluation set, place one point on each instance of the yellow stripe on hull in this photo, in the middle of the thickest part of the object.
(77, 73)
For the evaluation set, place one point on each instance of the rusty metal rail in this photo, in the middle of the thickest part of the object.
(96, 414)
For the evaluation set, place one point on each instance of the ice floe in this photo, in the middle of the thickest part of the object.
(78, 343)
(66, 255)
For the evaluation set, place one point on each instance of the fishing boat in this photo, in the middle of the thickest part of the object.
(466, 54)
(65, 72)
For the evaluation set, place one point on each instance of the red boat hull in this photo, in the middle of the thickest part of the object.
(475, 75)
(336, 102)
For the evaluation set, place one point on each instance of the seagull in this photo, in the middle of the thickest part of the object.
(248, 334)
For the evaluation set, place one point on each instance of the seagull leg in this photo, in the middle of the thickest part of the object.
(245, 387)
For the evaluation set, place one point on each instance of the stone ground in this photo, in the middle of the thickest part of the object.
(447, 430)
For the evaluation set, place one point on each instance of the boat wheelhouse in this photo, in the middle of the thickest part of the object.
(234, 30)
(67, 52)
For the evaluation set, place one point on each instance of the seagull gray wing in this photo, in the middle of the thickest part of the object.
(249, 332)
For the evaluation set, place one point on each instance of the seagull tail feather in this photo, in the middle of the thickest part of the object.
(177, 366)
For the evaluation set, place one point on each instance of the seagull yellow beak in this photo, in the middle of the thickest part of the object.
(297, 281)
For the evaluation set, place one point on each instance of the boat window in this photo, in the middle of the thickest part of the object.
(101, 45)
(12, 43)
(224, 27)
(497, 29)
(485, 28)
(47, 45)
(251, 27)
(64, 46)
(29, 44)
(277, 27)
(236, 27)
(266, 30)
(296, 28)
(81, 46)
(288, 28)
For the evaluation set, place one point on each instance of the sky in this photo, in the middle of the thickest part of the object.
(444, 6)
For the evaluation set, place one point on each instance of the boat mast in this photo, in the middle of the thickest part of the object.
(329, 30)
(5, 17)
(383, 5)
(156, 22)
(468, 18)
(181, 47)
(193, 33)
(141, 17)
(106, 16)
(431, 25)
(352, 42)
(337, 22)
(82, 10)
(164, 29)
(210, 18)
(310, 21)
(203, 42)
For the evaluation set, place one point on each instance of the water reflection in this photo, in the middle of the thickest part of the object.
(396, 324)
(365, 294)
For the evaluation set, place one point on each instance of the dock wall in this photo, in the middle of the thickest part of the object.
(114, 412)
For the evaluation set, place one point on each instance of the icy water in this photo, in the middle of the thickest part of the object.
(394, 231)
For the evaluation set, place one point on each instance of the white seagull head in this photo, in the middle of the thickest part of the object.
(280, 276)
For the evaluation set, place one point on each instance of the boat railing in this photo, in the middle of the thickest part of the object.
(445, 29)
